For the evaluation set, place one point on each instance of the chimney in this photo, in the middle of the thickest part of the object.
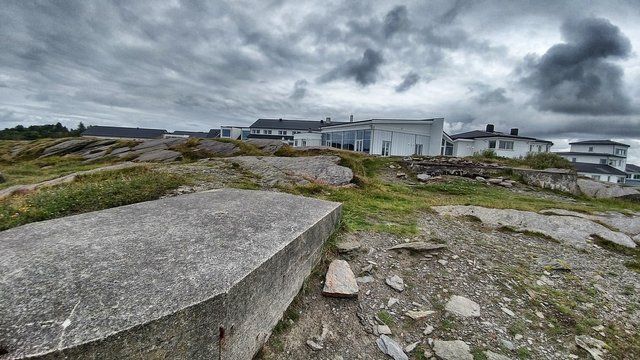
(280, 119)
(328, 120)
(489, 127)
(514, 131)
(351, 118)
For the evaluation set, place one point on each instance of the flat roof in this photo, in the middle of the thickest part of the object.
(597, 142)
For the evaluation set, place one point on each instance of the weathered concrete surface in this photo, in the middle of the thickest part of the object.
(573, 230)
(188, 277)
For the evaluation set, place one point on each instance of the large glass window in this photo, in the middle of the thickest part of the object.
(348, 140)
(226, 133)
(336, 140)
(505, 145)
(366, 143)
(492, 144)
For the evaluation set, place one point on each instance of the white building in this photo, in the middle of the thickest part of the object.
(509, 145)
(633, 175)
(286, 129)
(603, 160)
(234, 132)
(386, 137)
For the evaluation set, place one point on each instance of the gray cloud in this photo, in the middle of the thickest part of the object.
(576, 77)
(363, 71)
(484, 94)
(299, 90)
(409, 80)
(395, 21)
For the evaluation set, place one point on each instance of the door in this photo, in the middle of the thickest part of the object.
(359, 145)
(386, 148)
(418, 149)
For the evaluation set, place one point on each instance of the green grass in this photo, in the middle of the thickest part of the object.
(386, 318)
(88, 193)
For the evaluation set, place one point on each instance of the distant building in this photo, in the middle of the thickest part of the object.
(284, 129)
(602, 160)
(234, 132)
(117, 132)
(510, 145)
(633, 175)
(187, 134)
(213, 133)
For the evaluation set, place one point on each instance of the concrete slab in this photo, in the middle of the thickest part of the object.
(199, 276)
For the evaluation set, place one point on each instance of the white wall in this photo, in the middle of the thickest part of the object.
(464, 148)
(620, 163)
(404, 137)
(605, 178)
(308, 139)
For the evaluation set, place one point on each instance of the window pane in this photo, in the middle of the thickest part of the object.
(348, 141)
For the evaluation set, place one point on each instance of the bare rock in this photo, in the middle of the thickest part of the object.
(395, 282)
(314, 346)
(383, 330)
(218, 148)
(120, 150)
(594, 347)
(348, 246)
(462, 306)
(452, 350)
(423, 177)
(391, 348)
(505, 184)
(600, 190)
(401, 174)
(340, 281)
(266, 145)
(159, 156)
(66, 147)
(157, 144)
(409, 348)
(495, 181)
(418, 246)
(495, 356)
(418, 314)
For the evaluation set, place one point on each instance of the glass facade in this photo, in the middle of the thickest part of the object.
(354, 140)
(226, 133)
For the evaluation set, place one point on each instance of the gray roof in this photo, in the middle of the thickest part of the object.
(193, 134)
(597, 169)
(478, 134)
(124, 132)
(286, 124)
(598, 142)
(632, 168)
(578, 153)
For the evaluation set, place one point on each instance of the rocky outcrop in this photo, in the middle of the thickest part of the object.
(573, 230)
(600, 190)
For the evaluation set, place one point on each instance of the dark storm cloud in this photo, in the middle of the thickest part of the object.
(299, 90)
(452, 13)
(364, 71)
(484, 94)
(395, 21)
(576, 77)
(409, 80)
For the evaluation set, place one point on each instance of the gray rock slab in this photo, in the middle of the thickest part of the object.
(159, 143)
(299, 170)
(389, 347)
(395, 282)
(218, 148)
(628, 224)
(452, 350)
(601, 190)
(159, 279)
(120, 150)
(418, 246)
(159, 156)
(495, 356)
(266, 145)
(66, 147)
(340, 281)
(462, 306)
(573, 230)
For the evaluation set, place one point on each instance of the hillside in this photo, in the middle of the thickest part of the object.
(538, 279)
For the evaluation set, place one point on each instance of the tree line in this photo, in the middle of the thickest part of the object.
(34, 132)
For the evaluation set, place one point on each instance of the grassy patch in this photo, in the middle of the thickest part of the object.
(386, 318)
(88, 193)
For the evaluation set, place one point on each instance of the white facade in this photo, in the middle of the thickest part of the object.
(603, 177)
(307, 139)
(233, 132)
(601, 152)
(503, 146)
(387, 137)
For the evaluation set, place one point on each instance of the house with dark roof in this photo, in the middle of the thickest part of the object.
(284, 129)
(234, 132)
(187, 134)
(118, 132)
(609, 156)
(633, 175)
(511, 145)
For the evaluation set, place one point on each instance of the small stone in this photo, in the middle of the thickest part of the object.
(507, 311)
(346, 247)
(383, 330)
(517, 337)
(423, 177)
(443, 262)
(508, 344)
(480, 178)
(495, 356)
(539, 314)
(428, 330)
(392, 301)
(505, 184)
(409, 348)
(340, 281)
(367, 269)
(391, 348)
(418, 246)
(462, 306)
(365, 279)
(495, 181)
(452, 350)
(314, 346)
(400, 174)
(395, 282)
(417, 315)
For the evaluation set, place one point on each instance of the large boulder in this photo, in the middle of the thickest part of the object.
(598, 189)
(218, 148)
(66, 147)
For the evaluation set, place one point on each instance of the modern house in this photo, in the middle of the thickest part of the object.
(633, 175)
(510, 145)
(386, 137)
(284, 129)
(602, 160)
(234, 132)
(117, 132)
(187, 134)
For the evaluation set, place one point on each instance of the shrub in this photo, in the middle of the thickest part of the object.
(546, 160)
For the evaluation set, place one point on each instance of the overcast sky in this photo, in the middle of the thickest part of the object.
(558, 70)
